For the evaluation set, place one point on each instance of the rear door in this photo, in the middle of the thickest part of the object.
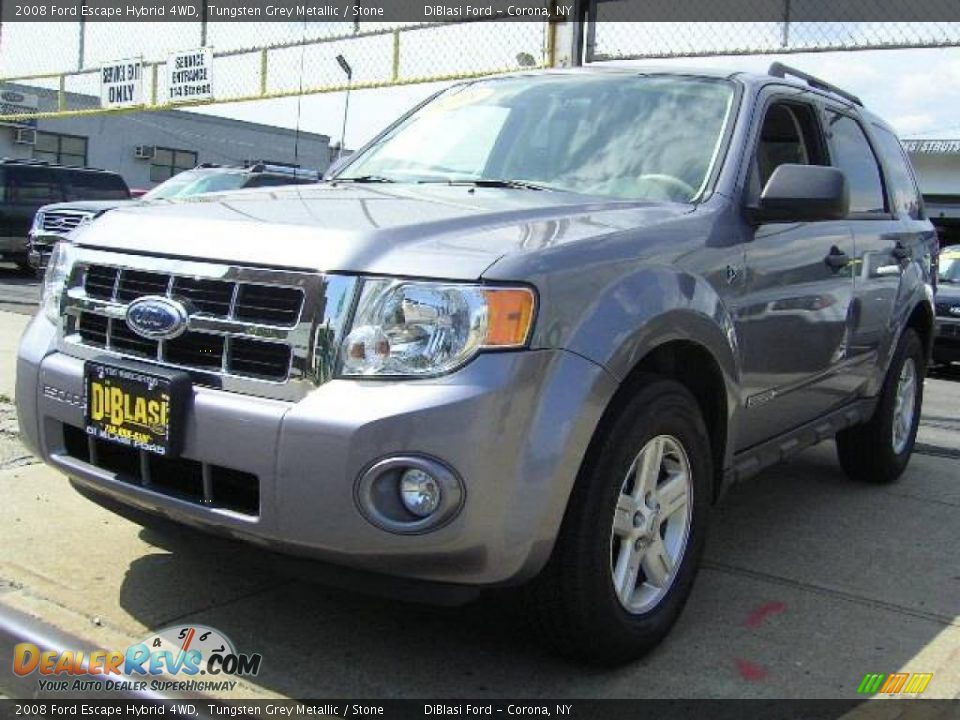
(888, 230)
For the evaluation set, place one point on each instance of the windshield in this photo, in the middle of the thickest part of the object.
(621, 136)
(949, 270)
(195, 182)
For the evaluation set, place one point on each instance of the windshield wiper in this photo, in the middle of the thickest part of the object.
(491, 183)
(363, 179)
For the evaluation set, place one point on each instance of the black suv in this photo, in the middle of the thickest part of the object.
(27, 185)
(55, 222)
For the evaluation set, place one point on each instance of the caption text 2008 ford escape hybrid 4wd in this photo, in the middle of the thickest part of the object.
(524, 337)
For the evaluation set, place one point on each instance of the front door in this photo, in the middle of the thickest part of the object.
(793, 316)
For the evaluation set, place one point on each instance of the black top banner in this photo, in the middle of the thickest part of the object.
(429, 11)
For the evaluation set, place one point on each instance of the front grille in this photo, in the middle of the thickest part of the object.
(197, 350)
(101, 282)
(63, 221)
(258, 359)
(212, 297)
(194, 350)
(276, 306)
(258, 331)
(136, 284)
(123, 339)
(943, 309)
(227, 488)
(255, 304)
(93, 329)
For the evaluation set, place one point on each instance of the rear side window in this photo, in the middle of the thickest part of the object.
(903, 185)
(852, 153)
(32, 186)
(97, 186)
(3, 185)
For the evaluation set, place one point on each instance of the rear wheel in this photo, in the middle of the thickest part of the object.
(878, 451)
(633, 533)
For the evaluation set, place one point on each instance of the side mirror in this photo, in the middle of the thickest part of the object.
(803, 193)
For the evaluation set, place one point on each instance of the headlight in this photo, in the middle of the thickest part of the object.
(412, 328)
(55, 279)
(37, 222)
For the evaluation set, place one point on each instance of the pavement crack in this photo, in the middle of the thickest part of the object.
(224, 603)
(832, 592)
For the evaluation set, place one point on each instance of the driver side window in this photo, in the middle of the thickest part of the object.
(789, 135)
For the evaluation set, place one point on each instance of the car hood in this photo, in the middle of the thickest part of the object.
(445, 231)
(85, 205)
(948, 292)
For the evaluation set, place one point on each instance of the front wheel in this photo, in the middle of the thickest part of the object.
(878, 451)
(633, 534)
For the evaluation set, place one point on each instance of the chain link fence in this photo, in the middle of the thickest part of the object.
(259, 60)
(612, 39)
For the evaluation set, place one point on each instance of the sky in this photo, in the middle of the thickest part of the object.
(917, 91)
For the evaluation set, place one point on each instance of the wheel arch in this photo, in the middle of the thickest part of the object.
(694, 366)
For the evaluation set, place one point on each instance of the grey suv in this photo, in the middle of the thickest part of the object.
(525, 337)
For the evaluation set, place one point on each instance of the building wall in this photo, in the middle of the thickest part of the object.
(113, 138)
(937, 174)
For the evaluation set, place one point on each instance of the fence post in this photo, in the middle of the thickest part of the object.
(263, 71)
(396, 55)
(565, 34)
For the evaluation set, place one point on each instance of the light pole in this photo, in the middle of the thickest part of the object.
(345, 66)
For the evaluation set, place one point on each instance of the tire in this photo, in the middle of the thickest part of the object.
(573, 604)
(870, 452)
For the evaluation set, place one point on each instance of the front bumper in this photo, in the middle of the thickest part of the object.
(13, 245)
(40, 247)
(946, 340)
(514, 426)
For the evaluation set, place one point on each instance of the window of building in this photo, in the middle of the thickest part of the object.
(852, 154)
(167, 162)
(61, 149)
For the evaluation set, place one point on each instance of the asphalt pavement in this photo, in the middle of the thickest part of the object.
(810, 581)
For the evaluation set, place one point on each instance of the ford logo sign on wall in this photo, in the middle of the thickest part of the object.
(157, 318)
(13, 97)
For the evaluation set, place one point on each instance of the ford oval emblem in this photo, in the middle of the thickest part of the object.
(11, 96)
(157, 318)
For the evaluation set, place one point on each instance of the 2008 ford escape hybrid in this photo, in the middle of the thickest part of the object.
(524, 337)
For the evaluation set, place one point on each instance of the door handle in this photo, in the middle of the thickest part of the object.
(836, 259)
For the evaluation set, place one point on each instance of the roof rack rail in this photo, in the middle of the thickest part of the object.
(780, 70)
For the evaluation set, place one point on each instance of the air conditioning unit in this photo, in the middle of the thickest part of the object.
(145, 152)
(25, 136)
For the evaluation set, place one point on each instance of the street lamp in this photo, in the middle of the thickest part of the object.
(345, 66)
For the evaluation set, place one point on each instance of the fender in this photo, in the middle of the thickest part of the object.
(915, 291)
(643, 310)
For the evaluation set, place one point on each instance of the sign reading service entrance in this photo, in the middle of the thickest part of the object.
(121, 83)
(189, 75)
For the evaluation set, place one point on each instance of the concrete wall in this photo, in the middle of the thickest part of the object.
(112, 138)
(937, 174)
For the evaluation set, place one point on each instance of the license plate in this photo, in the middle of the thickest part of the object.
(136, 408)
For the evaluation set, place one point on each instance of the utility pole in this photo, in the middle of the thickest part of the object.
(348, 71)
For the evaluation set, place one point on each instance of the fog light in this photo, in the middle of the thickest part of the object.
(409, 494)
(420, 492)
